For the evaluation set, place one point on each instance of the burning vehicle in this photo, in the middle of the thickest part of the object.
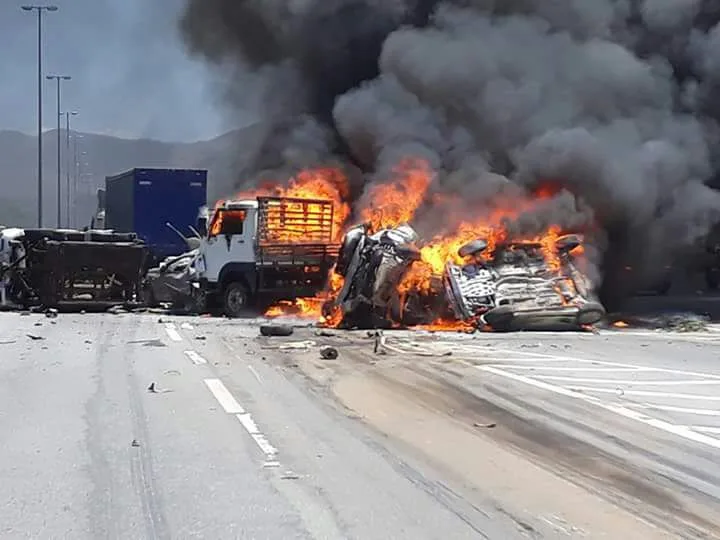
(514, 286)
(521, 285)
(372, 265)
(171, 282)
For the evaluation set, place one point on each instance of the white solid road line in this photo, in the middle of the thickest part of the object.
(705, 429)
(172, 332)
(195, 357)
(224, 397)
(573, 369)
(619, 382)
(672, 408)
(644, 393)
(681, 431)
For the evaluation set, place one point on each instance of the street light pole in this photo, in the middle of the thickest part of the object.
(58, 79)
(68, 114)
(39, 10)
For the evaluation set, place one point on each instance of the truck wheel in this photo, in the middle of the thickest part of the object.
(236, 299)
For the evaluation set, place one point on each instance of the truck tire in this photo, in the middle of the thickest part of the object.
(276, 330)
(235, 299)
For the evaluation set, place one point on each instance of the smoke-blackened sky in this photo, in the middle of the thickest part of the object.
(131, 75)
(613, 99)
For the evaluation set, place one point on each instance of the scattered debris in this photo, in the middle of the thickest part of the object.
(135, 443)
(200, 338)
(51, 313)
(328, 353)
(116, 310)
(152, 389)
(325, 333)
(7, 342)
(35, 337)
(295, 345)
(88, 342)
(289, 475)
(490, 425)
(171, 372)
(276, 330)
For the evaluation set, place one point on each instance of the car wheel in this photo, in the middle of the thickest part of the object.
(500, 319)
(235, 299)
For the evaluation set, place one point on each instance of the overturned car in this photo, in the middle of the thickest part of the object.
(515, 286)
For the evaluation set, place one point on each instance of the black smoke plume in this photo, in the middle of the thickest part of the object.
(612, 101)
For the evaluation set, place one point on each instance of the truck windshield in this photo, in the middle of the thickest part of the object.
(228, 222)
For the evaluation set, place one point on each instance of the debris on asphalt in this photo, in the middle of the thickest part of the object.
(152, 389)
(328, 353)
(51, 313)
(186, 326)
(200, 338)
(276, 330)
(296, 345)
(135, 443)
(116, 310)
(7, 342)
(325, 333)
(35, 337)
(489, 425)
(289, 475)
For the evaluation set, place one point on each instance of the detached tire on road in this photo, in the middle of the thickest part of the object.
(276, 330)
(235, 299)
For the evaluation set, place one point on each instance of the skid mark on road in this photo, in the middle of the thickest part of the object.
(230, 404)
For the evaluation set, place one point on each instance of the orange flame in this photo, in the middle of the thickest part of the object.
(620, 324)
(390, 205)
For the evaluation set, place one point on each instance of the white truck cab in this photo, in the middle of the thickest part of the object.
(271, 246)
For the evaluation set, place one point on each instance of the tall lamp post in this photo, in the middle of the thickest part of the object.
(39, 10)
(58, 79)
(67, 114)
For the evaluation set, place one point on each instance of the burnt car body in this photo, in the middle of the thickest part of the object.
(373, 264)
(171, 281)
(516, 288)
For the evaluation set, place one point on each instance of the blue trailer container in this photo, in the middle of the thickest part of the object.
(144, 200)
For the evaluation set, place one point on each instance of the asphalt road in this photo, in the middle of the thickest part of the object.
(441, 436)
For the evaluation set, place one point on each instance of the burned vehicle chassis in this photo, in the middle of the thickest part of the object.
(61, 268)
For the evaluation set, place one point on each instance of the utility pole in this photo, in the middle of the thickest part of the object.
(39, 10)
(59, 79)
(68, 216)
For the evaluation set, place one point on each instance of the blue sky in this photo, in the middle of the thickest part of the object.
(131, 76)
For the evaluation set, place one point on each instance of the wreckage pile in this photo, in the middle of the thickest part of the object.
(474, 274)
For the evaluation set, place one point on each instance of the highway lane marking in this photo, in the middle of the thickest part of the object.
(681, 431)
(186, 326)
(620, 382)
(195, 357)
(672, 408)
(172, 332)
(224, 397)
(255, 373)
(705, 429)
(249, 424)
(575, 368)
(539, 357)
(644, 393)
(230, 404)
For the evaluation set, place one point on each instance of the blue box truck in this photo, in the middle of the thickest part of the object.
(143, 201)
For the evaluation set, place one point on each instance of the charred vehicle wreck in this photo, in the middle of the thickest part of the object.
(51, 267)
(515, 286)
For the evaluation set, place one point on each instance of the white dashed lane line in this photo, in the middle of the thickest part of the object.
(172, 332)
(230, 404)
(195, 357)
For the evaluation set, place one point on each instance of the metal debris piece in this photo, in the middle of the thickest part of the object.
(135, 443)
(329, 353)
(152, 389)
(325, 333)
(51, 313)
(489, 425)
(34, 337)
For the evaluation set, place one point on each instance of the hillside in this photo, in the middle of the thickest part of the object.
(103, 156)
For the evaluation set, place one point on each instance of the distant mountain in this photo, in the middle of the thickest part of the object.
(102, 156)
